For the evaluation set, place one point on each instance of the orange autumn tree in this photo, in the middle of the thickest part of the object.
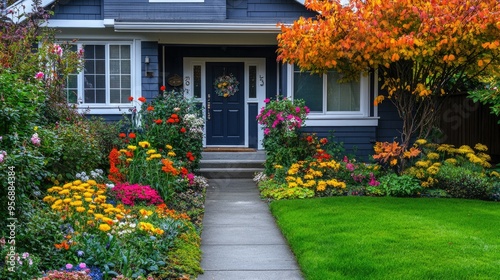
(423, 49)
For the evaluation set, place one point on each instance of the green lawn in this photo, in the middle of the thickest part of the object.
(392, 238)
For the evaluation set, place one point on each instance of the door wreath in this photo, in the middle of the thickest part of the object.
(226, 85)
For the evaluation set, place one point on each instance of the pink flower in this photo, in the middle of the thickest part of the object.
(39, 75)
(3, 154)
(373, 182)
(267, 100)
(57, 50)
(346, 159)
(25, 255)
(266, 131)
(307, 109)
(82, 265)
(349, 166)
(69, 266)
(35, 139)
(297, 109)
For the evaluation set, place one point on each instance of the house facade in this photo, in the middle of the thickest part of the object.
(133, 47)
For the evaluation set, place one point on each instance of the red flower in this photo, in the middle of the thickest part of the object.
(130, 98)
(174, 116)
(309, 139)
(142, 99)
(190, 156)
(184, 171)
(122, 135)
(170, 120)
(163, 88)
(150, 108)
(158, 121)
(131, 135)
(323, 141)
(183, 130)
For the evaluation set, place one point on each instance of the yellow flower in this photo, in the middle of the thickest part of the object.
(155, 156)
(64, 192)
(123, 151)
(433, 170)
(67, 200)
(433, 156)
(451, 161)
(76, 203)
(464, 149)
(129, 160)
(80, 209)
(150, 151)
(159, 231)
(423, 164)
(292, 184)
(104, 227)
(171, 154)
(144, 144)
(98, 216)
(394, 161)
(421, 142)
(67, 186)
(277, 166)
(168, 147)
(77, 182)
(35, 128)
(494, 173)
(48, 198)
(145, 212)
(321, 186)
(445, 148)
(132, 147)
(92, 182)
(481, 147)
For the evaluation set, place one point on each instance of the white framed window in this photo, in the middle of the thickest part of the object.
(107, 76)
(332, 102)
(176, 1)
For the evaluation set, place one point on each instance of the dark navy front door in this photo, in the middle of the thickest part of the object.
(225, 115)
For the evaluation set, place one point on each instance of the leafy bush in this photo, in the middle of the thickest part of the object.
(461, 182)
(273, 190)
(281, 120)
(399, 185)
(173, 120)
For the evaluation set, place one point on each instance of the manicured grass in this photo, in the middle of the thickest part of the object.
(392, 238)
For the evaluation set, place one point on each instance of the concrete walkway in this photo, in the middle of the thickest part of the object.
(240, 239)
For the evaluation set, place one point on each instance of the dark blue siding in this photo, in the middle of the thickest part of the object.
(278, 10)
(79, 10)
(143, 10)
(358, 140)
(389, 124)
(150, 86)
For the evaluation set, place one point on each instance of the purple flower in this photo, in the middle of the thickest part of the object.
(373, 182)
(25, 255)
(346, 159)
(80, 253)
(39, 75)
(3, 154)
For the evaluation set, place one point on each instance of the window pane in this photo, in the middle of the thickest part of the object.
(252, 72)
(114, 66)
(100, 66)
(197, 81)
(309, 88)
(126, 81)
(100, 81)
(125, 67)
(114, 81)
(125, 52)
(114, 96)
(114, 52)
(342, 96)
(100, 96)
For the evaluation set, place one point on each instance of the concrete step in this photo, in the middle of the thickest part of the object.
(231, 164)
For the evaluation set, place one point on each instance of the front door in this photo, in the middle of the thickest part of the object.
(225, 115)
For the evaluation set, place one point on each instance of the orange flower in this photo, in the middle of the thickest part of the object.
(174, 116)
(122, 135)
(131, 135)
(142, 99)
(158, 121)
(168, 167)
(150, 108)
(131, 98)
(63, 245)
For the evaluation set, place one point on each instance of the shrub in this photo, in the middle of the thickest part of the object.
(171, 119)
(281, 120)
(399, 185)
(461, 182)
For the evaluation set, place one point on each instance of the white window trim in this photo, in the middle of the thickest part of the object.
(135, 86)
(176, 1)
(339, 118)
(188, 64)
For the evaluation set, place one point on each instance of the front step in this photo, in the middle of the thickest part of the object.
(231, 164)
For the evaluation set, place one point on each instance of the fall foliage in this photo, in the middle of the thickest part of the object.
(423, 48)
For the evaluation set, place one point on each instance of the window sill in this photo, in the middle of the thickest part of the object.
(104, 110)
(332, 120)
